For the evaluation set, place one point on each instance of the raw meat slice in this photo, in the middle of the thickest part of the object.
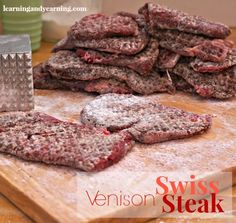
(220, 85)
(67, 43)
(121, 45)
(43, 80)
(101, 86)
(181, 84)
(191, 45)
(164, 18)
(166, 59)
(214, 50)
(39, 137)
(145, 119)
(201, 66)
(142, 62)
(178, 42)
(140, 19)
(99, 26)
(157, 81)
(67, 65)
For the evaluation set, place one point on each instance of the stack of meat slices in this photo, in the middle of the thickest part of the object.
(194, 50)
(105, 54)
(157, 50)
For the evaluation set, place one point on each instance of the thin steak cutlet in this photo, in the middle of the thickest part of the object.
(99, 26)
(166, 59)
(146, 120)
(44, 80)
(220, 85)
(142, 62)
(160, 17)
(212, 67)
(190, 45)
(39, 137)
(119, 44)
(66, 65)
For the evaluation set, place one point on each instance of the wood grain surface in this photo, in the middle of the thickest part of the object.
(9, 213)
(37, 188)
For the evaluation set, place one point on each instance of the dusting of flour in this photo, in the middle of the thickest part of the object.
(212, 151)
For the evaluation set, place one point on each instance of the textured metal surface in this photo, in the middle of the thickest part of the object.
(14, 44)
(16, 80)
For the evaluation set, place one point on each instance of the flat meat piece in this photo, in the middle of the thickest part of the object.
(39, 137)
(166, 59)
(100, 86)
(220, 85)
(190, 45)
(142, 62)
(155, 82)
(128, 45)
(99, 26)
(118, 45)
(214, 50)
(140, 19)
(67, 43)
(66, 65)
(178, 42)
(164, 18)
(44, 80)
(181, 84)
(211, 67)
(145, 119)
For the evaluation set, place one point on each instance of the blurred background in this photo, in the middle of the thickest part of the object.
(56, 24)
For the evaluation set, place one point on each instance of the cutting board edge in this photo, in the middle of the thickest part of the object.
(37, 212)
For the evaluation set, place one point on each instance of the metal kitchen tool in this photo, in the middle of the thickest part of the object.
(16, 79)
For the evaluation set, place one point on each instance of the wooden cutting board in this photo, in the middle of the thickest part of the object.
(52, 194)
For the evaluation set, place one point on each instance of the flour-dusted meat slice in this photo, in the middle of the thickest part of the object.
(140, 19)
(178, 42)
(44, 80)
(66, 65)
(155, 82)
(143, 85)
(38, 137)
(119, 45)
(191, 45)
(99, 26)
(67, 43)
(127, 45)
(166, 59)
(101, 86)
(220, 85)
(207, 66)
(145, 119)
(164, 18)
(113, 112)
(181, 84)
(214, 50)
(142, 62)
